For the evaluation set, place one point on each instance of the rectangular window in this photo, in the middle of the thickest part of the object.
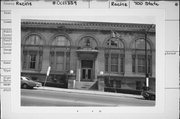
(25, 59)
(122, 64)
(89, 73)
(141, 64)
(67, 61)
(83, 73)
(106, 62)
(32, 61)
(52, 60)
(59, 61)
(114, 62)
(133, 63)
(40, 61)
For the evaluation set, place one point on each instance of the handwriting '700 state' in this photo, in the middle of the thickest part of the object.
(149, 3)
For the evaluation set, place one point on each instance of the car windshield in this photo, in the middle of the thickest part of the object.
(26, 78)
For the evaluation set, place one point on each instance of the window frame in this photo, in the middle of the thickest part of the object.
(137, 53)
(30, 49)
(58, 49)
(120, 54)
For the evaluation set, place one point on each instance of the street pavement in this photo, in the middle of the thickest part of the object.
(46, 96)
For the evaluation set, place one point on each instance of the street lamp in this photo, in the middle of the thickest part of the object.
(146, 62)
(71, 72)
(146, 57)
(101, 73)
(71, 80)
(101, 81)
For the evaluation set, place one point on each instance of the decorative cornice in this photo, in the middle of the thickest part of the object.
(106, 26)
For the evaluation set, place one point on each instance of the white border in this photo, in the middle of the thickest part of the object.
(129, 15)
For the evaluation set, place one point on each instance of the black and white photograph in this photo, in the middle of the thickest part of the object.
(69, 63)
(89, 59)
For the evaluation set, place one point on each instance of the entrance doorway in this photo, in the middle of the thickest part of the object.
(86, 70)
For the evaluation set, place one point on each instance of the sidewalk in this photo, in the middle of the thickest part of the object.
(90, 92)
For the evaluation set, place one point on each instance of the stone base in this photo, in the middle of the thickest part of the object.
(101, 84)
(71, 84)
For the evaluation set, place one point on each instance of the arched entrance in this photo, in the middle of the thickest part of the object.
(87, 53)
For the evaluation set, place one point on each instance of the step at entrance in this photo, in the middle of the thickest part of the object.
(87, 85)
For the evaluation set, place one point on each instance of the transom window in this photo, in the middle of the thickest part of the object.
(34, 40)
(140, 45)
(114, 43)
(88, 42)
(60, 41)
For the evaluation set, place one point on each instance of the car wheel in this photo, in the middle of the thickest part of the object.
(153, 97)
(146, 98)
(25, 86)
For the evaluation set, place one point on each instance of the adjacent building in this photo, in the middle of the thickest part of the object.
(87, 52)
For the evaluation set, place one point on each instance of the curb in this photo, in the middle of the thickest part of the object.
(90, 92)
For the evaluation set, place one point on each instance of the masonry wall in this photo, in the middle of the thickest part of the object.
(101, 37)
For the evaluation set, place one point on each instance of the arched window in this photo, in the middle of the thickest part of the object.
(138, 56)
(114, 56)
(140, 45)
(32, 52)
(88, 42)
(34, 40)
(114, 43)
(60, 41)
(60, 54)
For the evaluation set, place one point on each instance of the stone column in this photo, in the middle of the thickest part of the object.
(95, 69)
(22, 58)
(153, 64)
(45, 60)
(71, 81)
(101, 83)
(128, 63)
(78, 73)
(100, 60)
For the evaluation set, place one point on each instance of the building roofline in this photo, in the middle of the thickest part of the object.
(62, 24)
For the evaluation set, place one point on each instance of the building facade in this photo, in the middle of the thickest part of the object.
(87, 51)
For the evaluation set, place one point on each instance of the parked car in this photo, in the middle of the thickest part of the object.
(27, 82)
(148, 95)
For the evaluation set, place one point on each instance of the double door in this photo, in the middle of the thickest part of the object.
(86, 70)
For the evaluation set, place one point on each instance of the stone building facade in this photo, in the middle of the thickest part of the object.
(87, 51)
